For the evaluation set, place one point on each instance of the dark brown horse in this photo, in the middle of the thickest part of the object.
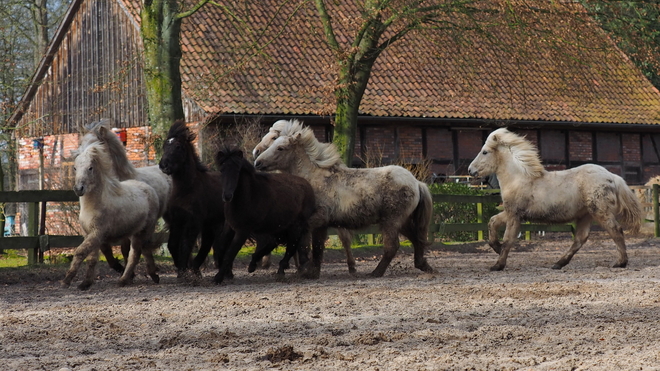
(264, 204)
(195, 206)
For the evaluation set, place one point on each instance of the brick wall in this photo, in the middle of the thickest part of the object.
(631, 147)
(380, 145)
(580, 146)
(410, 144)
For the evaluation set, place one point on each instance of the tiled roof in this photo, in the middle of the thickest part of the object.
(424, 75)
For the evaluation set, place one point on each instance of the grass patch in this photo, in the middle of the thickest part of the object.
(13, 259)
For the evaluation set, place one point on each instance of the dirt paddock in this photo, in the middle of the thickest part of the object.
(587, 316)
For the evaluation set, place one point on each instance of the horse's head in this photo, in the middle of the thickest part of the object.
(231, 162)
(177, 148)
(90, 168)
(487, 161)
(279, 155)
(269, 138)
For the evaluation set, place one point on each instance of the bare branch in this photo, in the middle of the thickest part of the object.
(192, 11)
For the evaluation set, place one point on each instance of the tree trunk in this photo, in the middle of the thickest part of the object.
(349, 97)
(160, 31)
(39, 10)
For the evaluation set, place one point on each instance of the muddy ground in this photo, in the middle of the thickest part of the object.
(587, 316)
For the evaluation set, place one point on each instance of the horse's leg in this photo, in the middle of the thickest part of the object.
(151, 265)
(419, 246)
(313, 269)
(90, 243)
(265, 246)
(346, 238)
(265, 262)
(494, 224)
(616, 232)
(125, 248)
(113, 262)
(223, 238)
(137, 243)
(390, 247)
(174, 242)
(230, 254)
(204, 249)
(510, 238)
(92, 259)
(582, 230)
(188, 239)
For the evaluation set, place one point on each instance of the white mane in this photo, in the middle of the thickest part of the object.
(524, 154)
(325, 155)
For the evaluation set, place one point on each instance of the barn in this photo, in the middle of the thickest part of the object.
(431, 98)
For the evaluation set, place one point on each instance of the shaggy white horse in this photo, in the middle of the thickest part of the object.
(530, 193)
(349, 198)
(111, 210)
(101, 132)
(345, 235)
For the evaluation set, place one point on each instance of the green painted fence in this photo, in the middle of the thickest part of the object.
(36, 244)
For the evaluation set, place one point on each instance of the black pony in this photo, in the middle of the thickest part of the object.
(272, 207)
(195, 205)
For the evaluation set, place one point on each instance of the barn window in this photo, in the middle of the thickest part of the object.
(553, 146)
(608, 147)
(651, 148)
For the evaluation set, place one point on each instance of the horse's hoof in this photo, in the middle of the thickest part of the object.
(620, 265)
(65, 285)
(376, 274)
(311, 273)
(252, 267)
(229, 275)
(155, 278)
(122, 283)
(118, 268)
(425, 267)
(84, 286)
(496, 268)
(352, 271)
(557, 266)
(497, 247)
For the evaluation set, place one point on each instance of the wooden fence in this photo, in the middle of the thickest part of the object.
(37, 242)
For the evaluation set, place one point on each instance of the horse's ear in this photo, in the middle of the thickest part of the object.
(495, 138)
(101, 133)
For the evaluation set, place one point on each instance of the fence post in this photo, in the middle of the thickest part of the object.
(33, 230)
(656, 211)
(480, 219)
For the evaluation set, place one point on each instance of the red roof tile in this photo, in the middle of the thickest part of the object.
(424, 75)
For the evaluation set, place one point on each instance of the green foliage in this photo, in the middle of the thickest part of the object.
(446, 212)
(635, 27)
(11, 258)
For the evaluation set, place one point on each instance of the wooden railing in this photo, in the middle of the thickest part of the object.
(36, 243)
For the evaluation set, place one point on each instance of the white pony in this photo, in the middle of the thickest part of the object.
(345, 235)
(111, 210)
(530, 193)
(101, 132)
(349, 198)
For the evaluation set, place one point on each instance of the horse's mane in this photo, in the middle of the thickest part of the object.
(325, 155)
(101, 157)
(279, 125)
(525, 154)
(123, 167)
(180, 131)
(228, 152)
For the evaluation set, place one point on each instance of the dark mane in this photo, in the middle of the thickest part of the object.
(180, 131)
(234, 154)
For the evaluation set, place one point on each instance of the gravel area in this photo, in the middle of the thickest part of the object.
(587, 316)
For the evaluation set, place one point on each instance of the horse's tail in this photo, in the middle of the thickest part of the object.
(418, 224)
(630, 209)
